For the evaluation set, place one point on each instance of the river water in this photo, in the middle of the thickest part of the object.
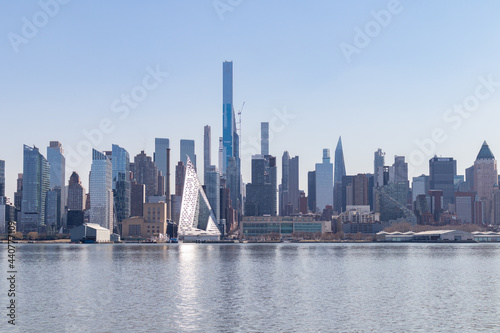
(349, 287)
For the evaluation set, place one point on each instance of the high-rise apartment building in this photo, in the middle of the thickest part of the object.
(264, 138)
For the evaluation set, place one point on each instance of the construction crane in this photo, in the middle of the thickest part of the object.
(238, 123)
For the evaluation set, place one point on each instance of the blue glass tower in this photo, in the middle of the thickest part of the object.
(121, 182)
(36, 184)
(228, 120)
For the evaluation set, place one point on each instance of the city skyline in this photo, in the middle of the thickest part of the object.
(415, 93)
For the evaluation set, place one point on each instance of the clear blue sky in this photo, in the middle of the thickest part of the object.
(287, 56)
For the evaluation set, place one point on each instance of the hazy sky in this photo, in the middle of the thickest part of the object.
(382, 74)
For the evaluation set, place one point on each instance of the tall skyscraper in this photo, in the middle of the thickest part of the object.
(420, 186)
(285, 204)
(339, 173)
(378, 163)
(289, 188)
(160, 157)
(486, 180)
(187, 149)
(180, 171)
(293, 183)
(264, 138)
(212, 185)
(76, 193)
(221, 154)
(207, 151)
(339, 162)
(57, 163)
(121, 182)
(485, 172)
(324, 181)
(101, 191)
(36, 184)
(228, 119)
(442, 171)
(145, 172)
(2, 178)
(311, 191)
(360, 190)
(261, 192)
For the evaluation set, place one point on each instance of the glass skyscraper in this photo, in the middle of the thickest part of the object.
(228, 123)
(187, 149)
(160, 157)
(101, 191)
(121, 182)
(36, 184)
(324, 182)
(264, 138)
(2, 178)
(212, 185)
(57, 163)
(207, 149)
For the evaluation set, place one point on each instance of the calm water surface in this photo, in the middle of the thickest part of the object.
(255, 288)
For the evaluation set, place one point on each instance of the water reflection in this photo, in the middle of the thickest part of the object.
(258, 287)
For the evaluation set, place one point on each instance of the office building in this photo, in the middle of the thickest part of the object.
(311, 190)
(145, 172)
(324, 181)
(57, 162)
(121, 182)
(442, 171)
(76, 193)
(36, 184)
(2, 178)
(162, 146)
(261, 192)
(101, 191)
(212, 189)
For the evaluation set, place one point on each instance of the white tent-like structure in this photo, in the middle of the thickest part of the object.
(197, 220)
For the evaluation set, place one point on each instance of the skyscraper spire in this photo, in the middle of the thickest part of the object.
(485, 153)
(339, 162)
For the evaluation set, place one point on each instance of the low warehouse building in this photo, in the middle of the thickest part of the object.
(90, 233)
(443, 235)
